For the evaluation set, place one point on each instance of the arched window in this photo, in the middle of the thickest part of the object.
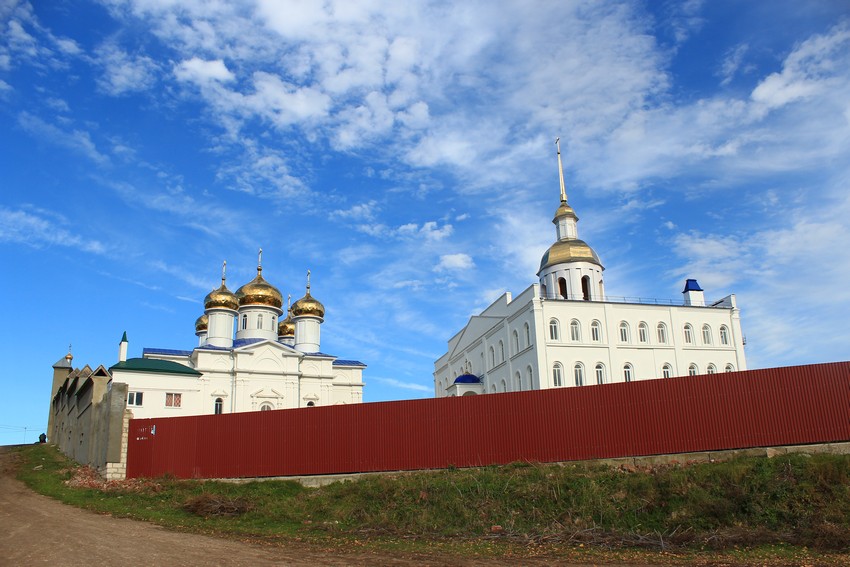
(724, 335)
(529, 378)
(666, 371)
(504, 385)
(706, 334)
(711, 369)
(527, 335)
(492, 357)
(643, 332)
(260, 321)
(501, 351)
(518, 380)
(244, 322)
(492, 388)
(562, 287)
(219, 406)
(730, 368)
(585, 288)
(662, 333)
(553, 329)
(689, 334)
(311, 404)
(557, 373)
(578, 374)
(596, 331)
(600, 373)
(624, 332)
(267, 406)
(575, 331)
(516, 342)
(628, 372)
(693, 370)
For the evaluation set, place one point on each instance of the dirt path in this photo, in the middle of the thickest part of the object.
(36, 530)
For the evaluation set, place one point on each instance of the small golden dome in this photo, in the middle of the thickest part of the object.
(221, 298)
(202, 323)
(259, 292)
(286, 328)
(308, 305)
(564, 211)
(565, 251)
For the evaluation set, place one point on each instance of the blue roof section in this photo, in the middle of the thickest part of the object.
(348, 363)
(319, 354)
(691, 285)
(467, 379)
(245, 342)
(166, 351)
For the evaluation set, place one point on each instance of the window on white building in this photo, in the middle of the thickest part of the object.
(219, 406)
(557, 373)
(596, 331)
(628, 372)
(624, 332)
(689, 334)
(518, 381)
(173, 400)
(693, 370)
(730, 368)
(244, 322)
(516, 342)
(529, 378)
(527, 335)
(260, 321)
(711, 369)
(643, 332)
(724, 335)
(600, 373)
(661, 330)
(706, 334)
(492, 357)
(666, 371)
(553, 329)
(501, 351)
(578, 374)
(575, 331)
(504, 385)
(134, 398)
(267, 406)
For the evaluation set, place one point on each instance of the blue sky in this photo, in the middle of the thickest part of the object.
(403, 152)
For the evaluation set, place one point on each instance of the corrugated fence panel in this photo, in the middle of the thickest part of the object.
(758, 408)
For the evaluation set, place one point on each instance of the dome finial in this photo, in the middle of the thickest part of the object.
(288, 303)
(308, 282)
(260, 262)
(561, 171)
(223, 272)
(69, 357)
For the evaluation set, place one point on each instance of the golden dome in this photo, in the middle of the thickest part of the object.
(286, 328)
(565, 251)
(221, 298)
(308, 305)
(564, 211)
(202, 323)
(259, 292)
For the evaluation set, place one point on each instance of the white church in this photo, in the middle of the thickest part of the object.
(268, 363)
(564, 332)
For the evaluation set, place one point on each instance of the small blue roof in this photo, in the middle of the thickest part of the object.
(167, 351)
(348, 363)
(467, 379)
(691, 285)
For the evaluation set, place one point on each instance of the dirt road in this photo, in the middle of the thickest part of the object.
(36, 530)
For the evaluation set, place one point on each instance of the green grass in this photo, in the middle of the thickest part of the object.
(781, 506)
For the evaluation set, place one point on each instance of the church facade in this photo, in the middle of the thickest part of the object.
(248, 358)
(564, 332)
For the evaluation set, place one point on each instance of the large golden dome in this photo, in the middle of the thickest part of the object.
(308, 305)
(286, 328)
(202, 323)
(259, 292)
(571, 250)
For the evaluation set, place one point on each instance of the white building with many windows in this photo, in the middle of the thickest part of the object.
(563, 331)
(247, 359)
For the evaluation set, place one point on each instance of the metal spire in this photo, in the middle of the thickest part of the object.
(308, 282)
(561, 171)
(223, 272)
(260, 262)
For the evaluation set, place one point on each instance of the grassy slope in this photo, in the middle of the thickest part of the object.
(790, 503)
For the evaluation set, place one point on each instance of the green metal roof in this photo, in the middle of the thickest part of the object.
(154, 365)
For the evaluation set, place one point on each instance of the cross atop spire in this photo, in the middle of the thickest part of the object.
(308, 282)
(561, 171)
(223, 272)
(260, 262)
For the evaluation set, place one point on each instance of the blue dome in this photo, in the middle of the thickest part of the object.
(467, 379)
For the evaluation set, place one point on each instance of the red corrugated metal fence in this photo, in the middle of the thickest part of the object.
(758, 408)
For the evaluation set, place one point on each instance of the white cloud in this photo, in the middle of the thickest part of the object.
(732, 62)
(123, 72)
(202, 72)
(76, 140)
(451, 262)
(402, 384)
(21, 227)
(360, 212)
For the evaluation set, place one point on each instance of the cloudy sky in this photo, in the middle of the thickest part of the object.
(403, 152)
